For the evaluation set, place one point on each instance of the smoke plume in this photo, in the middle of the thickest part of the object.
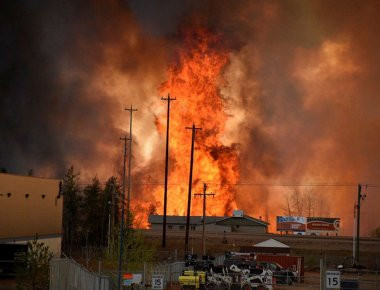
(299, 89)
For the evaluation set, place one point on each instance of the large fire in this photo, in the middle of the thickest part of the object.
(194, 81)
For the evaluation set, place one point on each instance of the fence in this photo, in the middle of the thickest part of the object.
(66, 274)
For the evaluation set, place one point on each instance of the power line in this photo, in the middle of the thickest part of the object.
(255, 184)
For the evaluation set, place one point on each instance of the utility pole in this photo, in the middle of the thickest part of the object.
(166, 170)
(360, 198)
(204, 195)
(122, 215)
(131, 110)
(193, 128)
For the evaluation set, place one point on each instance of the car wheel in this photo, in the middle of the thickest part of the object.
(288, 280)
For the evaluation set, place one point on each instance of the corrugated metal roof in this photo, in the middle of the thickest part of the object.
(172, 219)
(197, 220)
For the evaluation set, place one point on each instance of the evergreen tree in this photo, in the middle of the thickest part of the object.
(71, 207)
(35, 274)
(93, 211)
(110, 204)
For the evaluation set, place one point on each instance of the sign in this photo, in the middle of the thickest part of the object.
(129, 279)
(291, 223)
(333, 279)
(158, 282)
(238, 213)
(323, 224)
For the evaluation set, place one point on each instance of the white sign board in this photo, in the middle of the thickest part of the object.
(158, 282)
(333, 279)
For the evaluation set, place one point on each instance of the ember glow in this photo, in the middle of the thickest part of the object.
(194, 80)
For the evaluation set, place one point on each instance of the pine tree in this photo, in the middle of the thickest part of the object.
(110, 204)
(71, 207)
(93, 211)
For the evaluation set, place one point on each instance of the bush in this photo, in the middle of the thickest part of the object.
(35, 271)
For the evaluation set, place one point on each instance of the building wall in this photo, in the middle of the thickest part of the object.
(208, 228)
(172, 227)
(250, 229)
(215, 228)
(54, 243)
(24, 217)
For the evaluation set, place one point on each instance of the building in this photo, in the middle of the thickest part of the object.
(270, 246)
(30, 207)
(238, 222)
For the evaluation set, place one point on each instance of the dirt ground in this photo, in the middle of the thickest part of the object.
(333, 249)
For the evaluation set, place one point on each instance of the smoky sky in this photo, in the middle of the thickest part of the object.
(301, 87)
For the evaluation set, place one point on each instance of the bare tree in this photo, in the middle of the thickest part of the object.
(310, 202)
(287, 206)
(297, 202)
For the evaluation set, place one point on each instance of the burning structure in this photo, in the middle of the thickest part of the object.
(285, 93)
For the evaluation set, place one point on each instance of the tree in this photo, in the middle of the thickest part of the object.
(137, 248)
(92, 211)
(287, 207)
(35, 274)
(71, 207)
(110, 204)
(310, 202)
(297, 201)
(300, 203)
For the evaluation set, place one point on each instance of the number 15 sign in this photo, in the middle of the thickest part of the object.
(157, 282)
(333, 279)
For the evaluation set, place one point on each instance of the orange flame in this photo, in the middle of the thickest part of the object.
(194, 81)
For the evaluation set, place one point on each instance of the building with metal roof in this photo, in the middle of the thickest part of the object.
(238, 222)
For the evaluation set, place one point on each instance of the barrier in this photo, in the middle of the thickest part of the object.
(66, 274)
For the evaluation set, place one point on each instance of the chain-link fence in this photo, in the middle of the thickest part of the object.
(66, 274)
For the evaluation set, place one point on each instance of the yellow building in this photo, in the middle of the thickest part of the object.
(30, 206)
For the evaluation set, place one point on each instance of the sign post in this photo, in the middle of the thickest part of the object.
(157, 282)
(332, 279)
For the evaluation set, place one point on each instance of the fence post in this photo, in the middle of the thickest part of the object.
(144, 281)
(321, 272)
(376, 279)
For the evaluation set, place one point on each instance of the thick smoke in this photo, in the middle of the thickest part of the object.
(67, 72)
(301, 92)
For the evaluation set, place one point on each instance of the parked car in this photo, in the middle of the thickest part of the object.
(348, 266)
(282, 276)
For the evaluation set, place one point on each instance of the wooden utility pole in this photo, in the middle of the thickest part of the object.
(122, 216)
(204, 195)
(131, 110)
(166, 170)
(193, 128)
(360, 198)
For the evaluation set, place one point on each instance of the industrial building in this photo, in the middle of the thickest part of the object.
(238, 222)
(29, 207)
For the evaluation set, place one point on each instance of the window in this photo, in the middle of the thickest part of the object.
(170, 227)
(181, 227)
(192, 228)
